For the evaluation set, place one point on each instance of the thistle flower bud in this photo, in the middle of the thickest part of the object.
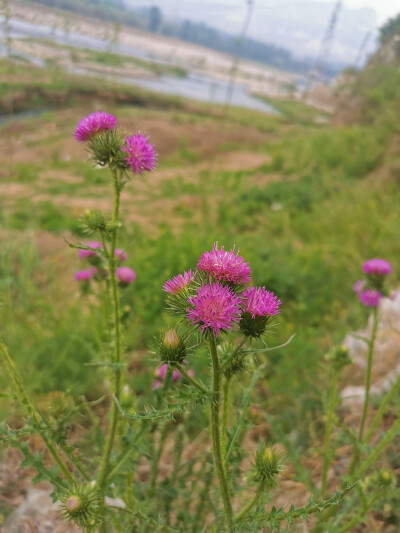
(385, 479)
(259, 305)
(266, 467)
(106, 148)
(83, 506)
(95, 220)
(338, 357)
(172, 348)
(58, 403)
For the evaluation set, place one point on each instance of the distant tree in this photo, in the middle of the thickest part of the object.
(155, 19)
(390, 29)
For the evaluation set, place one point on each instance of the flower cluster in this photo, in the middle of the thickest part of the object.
(216, 296)
(92, 253)
(111, 147)
(371, 290)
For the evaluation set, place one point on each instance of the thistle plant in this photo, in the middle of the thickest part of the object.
(134, 470)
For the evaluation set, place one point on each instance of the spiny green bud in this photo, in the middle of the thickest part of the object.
(58, 403)
(172, 348)
(339, 357)
(253, 327)
(232, 365)
(95, 220)
(266, 467)
(106, 148)
(385, 479)
(83, 506)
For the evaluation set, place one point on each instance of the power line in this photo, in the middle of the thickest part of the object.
(326, 45)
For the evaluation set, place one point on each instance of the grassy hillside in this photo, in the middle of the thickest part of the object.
(306, 204)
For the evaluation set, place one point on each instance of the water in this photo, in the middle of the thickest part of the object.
(198, 87)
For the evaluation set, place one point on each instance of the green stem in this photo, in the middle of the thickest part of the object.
(328, 431)
(225, 412)
(125, 456)
(216, 432)
(382, 409)
(193, 381)
(378, 449)
(156, 460)
(369, 368)
(356, 520)
(252, 503)
(117, 336)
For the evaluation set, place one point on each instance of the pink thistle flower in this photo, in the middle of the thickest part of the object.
(125, 275)
(161, 372)
(120, 254)
(225, 266)
(358, 286)
(84, 254)
(94, 124)
(377, 266)
(179, 282)
(141, 155)
(85, 275)
(215, 307)
(370, 298)
(257, 301)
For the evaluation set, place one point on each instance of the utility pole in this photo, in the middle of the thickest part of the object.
(236, 56)
(325, 49)
(363, 46)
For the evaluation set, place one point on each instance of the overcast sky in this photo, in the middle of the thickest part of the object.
(384, 8)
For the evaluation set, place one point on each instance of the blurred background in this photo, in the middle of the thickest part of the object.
(276, 124)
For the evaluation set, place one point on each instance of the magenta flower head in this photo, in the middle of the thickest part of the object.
(370, 298)
(141, 155)
(225, 266)
(379, 267)
(259, 305)
(179, 282)
(125, 275)
(94, 124)
(215, 308)
(120, 254)
(85, 275)
(84, 254)
(257, 301)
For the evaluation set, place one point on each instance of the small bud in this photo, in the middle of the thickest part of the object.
(83, 506)
(58, 403)
(73, 505)
(266, 467)
(339, 357)
(172, 348)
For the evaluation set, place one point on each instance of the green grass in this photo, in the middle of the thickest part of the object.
(306, 222)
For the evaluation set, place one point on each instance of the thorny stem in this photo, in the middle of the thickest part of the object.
(117, 336)
(328, 431)
(225, 412)
(368, 374)
(216, 433)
